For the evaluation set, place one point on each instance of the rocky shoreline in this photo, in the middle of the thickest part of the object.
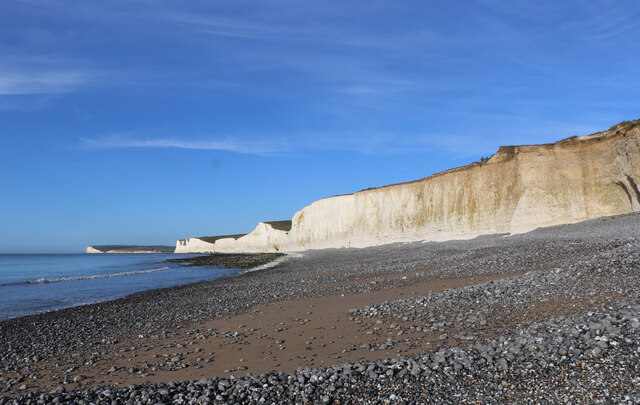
(548, 316)
(230, 260)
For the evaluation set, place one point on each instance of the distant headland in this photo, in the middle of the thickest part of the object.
(129, 249)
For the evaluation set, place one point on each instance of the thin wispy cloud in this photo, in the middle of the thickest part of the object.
(359, 90)
(295, 40)
(364, 142)
(233, 28)
(40, 82)
(319, 33)
(232, 145)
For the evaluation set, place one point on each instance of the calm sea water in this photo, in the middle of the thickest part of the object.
(43, 282)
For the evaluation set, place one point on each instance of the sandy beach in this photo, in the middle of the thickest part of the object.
(387, 314)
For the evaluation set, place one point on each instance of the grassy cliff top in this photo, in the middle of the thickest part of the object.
(627, 124)
(212, 239)
(280, 225)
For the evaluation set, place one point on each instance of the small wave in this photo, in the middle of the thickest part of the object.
(87, 277)
(275, 262)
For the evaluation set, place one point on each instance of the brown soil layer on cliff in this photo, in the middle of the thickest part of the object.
(510, 151)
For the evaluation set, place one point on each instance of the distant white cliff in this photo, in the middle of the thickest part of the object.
(266, 237)
(129, 249)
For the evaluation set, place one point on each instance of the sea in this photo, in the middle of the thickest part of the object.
(33, 283)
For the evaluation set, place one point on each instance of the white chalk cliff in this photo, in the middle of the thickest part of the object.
(194, 245)
(267, 237)
(518, 189)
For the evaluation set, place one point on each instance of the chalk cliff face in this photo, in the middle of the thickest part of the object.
(194, 245)
(91, 249)
(266, 237)
(519, 189)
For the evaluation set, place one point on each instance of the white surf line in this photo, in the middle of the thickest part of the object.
(44, 280)
(275, 262)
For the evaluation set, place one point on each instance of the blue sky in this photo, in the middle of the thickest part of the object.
(142, 122)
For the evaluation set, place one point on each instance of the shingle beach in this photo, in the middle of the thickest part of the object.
(551, 316)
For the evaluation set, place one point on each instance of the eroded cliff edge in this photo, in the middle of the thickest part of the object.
(518, 189)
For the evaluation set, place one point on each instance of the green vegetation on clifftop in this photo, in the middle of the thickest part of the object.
(627, 124)
(212, 239)
(280, 225)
